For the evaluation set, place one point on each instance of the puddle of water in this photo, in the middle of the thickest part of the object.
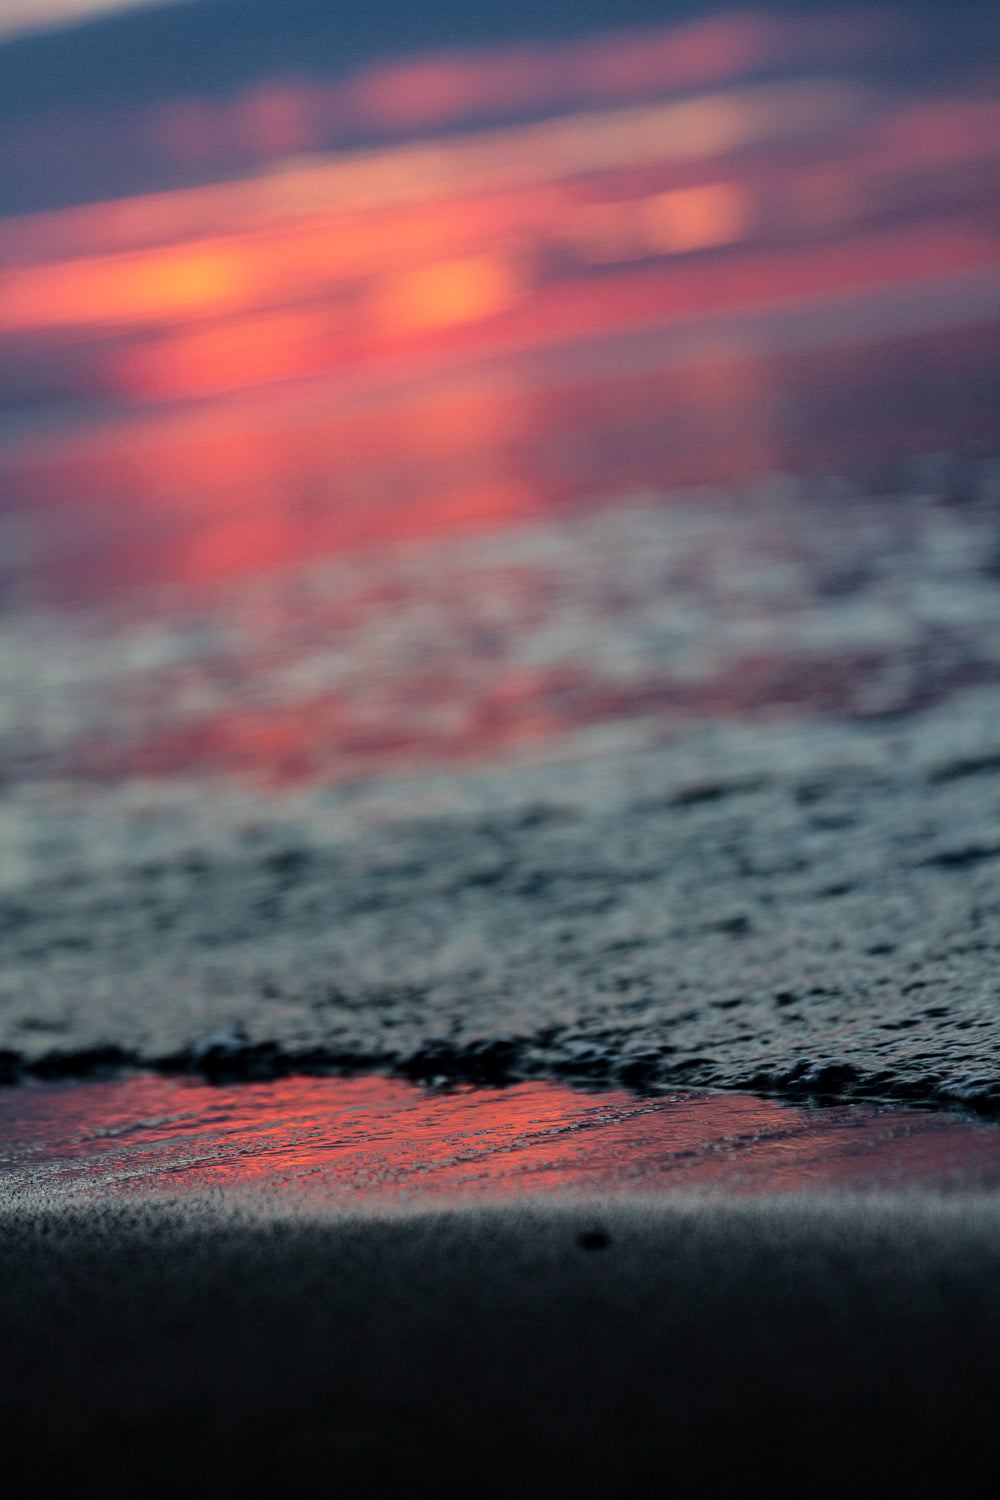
(330, 1140)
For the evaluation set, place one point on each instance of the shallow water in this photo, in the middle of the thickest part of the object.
(329, 1140)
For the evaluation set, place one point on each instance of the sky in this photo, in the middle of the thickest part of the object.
(21, 16)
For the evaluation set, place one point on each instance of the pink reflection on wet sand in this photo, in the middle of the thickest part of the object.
(382, 1140)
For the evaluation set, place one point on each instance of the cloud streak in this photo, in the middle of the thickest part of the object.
(18, 17)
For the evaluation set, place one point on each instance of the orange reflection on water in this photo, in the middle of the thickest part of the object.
(217, 490)
(717, 213)
(607, 291)
(595, 218)
(446, 292)
(158, 287)
(275, 259)
(382, 1140)
(230, 356)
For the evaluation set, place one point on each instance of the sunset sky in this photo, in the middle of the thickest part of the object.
(23, 16)
(37, 15)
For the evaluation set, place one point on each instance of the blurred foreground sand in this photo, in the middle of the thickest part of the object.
(537, 1351)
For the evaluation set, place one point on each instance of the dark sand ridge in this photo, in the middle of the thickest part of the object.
(805, 908)
(543, 1350)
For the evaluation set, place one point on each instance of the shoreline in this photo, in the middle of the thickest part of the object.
(341, 1146)
(797, 910)
(238, 1063)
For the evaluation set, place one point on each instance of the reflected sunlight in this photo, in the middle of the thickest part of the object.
(461, 293)
(332, 1140)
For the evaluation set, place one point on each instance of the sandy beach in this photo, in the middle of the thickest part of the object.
(312, 1283)
(539, 1349)
(499, 752)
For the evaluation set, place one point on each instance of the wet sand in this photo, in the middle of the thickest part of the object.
(536, 1350)
(320, 1283)
(322, 1145)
